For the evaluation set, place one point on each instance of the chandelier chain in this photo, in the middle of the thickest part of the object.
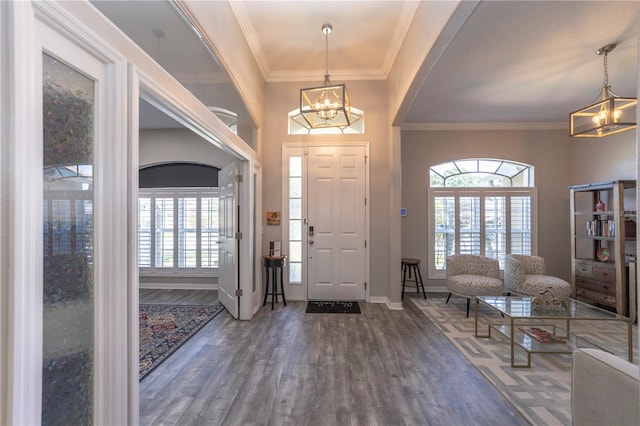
(326, 53)
(605, 83)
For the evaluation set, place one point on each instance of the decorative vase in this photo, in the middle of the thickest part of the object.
(600, 206)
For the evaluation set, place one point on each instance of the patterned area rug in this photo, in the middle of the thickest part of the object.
(164, 328)
(541, 393)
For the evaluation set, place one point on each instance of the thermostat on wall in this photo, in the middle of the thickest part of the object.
(403, 212)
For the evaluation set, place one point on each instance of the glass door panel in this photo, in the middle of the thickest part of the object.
(68, 240)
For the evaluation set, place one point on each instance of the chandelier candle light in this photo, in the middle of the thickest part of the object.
(612, 114)
(328, 105)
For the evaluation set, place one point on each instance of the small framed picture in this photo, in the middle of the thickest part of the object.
(273, 218)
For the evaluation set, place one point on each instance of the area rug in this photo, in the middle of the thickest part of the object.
(542, 393)
(164, 328)
(331, 307)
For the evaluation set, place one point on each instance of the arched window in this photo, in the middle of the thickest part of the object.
(299, 126)
(178, 220)
(228, 117)
(480, 206)
(474, 172)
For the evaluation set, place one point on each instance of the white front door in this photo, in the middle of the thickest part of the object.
(336, 213)
(228, 253)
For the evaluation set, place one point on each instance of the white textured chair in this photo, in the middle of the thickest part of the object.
(469, 275)
(525, 276)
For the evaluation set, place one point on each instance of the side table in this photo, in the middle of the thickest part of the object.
(274, 264)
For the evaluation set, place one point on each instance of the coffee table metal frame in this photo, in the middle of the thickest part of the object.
(520, 312)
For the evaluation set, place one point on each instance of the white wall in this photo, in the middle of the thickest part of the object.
(410, 68)
(4, 178)
(179, 145)
(233, 52)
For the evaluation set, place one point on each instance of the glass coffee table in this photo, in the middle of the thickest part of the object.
(546, 329)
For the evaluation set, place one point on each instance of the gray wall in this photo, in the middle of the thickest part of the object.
(559, 161)
(369, 96)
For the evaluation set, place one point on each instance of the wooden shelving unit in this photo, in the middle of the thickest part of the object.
(603, 245)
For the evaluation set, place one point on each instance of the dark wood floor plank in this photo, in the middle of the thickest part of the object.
(178, 297)
(286, 367)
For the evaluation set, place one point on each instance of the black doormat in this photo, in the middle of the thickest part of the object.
(331, 307)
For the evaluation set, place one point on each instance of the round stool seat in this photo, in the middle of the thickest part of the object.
(409, 261)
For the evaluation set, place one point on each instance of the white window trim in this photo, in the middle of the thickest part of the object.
(288, 152)
(154, 193)
(434, 273)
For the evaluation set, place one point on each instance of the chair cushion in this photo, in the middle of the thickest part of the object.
(534, 284)
(475, 285)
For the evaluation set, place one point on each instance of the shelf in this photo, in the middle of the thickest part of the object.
(593, 187)
(596, 237)
(531, 345)
(626, 213)
(616, 195)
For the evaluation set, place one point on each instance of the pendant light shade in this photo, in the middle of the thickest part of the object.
(327, 105)
(610, 115)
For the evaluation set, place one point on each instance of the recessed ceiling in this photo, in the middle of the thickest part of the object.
(511, 63)
(288, 43)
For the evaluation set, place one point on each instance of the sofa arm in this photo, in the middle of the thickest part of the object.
(605, 389)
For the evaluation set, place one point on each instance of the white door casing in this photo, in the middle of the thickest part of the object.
(228, 253)
(336, 211)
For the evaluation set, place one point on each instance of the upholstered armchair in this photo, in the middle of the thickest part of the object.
(525, 275)
(469, 275)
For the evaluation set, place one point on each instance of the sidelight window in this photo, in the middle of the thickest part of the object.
(295, 219)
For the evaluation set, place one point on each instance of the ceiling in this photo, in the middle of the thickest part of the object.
(512, 63)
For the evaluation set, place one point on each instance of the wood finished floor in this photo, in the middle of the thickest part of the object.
(286, 367)
(178, 297)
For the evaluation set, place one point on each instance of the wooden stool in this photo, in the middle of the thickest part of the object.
(275, 264)
(412, 266)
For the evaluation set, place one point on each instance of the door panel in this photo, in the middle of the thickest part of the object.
(336, 210)
(69, 149)
(228, 254)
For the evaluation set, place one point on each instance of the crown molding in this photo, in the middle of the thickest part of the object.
(318, 75)
(242, 16)
(400, 33)
(486, 126)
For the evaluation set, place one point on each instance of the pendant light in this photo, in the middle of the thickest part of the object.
(327, 105)
(610, 115)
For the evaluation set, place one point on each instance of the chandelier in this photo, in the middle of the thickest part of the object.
(327, 105)
(610, 115)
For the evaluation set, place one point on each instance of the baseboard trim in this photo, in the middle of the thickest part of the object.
(395, 306)
(178, 286)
